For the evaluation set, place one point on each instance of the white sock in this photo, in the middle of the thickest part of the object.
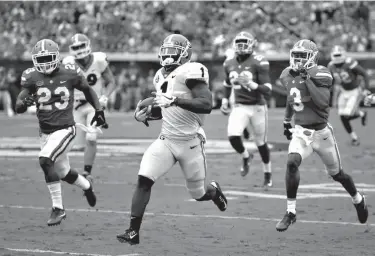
(291, 205)
(361, 113)
(354, 136)
(82, 182)
(245, 154)
(267, 167)
(357, 198)
(55, 192)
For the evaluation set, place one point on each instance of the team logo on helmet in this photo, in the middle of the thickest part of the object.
(175, 50)
(45, 56)
(80, 46)
(304, 54)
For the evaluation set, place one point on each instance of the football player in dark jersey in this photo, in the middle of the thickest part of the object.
(247, 73)
(346, 72)
(50, 86)
(308, 86)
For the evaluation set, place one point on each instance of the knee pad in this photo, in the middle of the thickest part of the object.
(144, 182)
(294, 161)
(45, 162)
(196, 188)
(91, 136)
(237, 144)
(71, 176)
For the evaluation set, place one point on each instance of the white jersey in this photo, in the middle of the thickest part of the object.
(93, 72)
(179, 123)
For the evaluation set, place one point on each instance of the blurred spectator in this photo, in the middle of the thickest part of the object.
(5, 81)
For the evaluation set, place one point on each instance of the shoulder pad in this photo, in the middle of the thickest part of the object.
(285, 73)
(260, 59)
(26, 77)
(72, 67)
(196, 70)
(322, 76)
(100, 56)
(68, 60)
(157, 77)
(228, 60)
(352, 63)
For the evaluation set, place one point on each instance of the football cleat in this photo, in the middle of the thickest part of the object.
(57, 215)
(220, 200)
(362, 211)
(267, 179)
(289, 219)
(246, 165)
(355, 142)
(90, 195)
(364, 118)
(130, 236)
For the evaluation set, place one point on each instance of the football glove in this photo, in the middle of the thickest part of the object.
(103, 100)
(287, 133)
(369, 99)
(225, 109)
(303, 73)
(162, 100)
(28, 101)
(141, 115)
(99, 118)
(247, 83)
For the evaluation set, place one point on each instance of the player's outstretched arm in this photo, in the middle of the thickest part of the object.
(201, 103)
(24, 100)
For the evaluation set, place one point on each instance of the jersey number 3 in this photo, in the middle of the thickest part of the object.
(45, 95)
(297, 100)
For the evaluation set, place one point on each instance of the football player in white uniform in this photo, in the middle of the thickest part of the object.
(184, 97)
(99, 76)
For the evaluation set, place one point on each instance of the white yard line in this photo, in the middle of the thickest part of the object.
(178, 215)
(64, 253)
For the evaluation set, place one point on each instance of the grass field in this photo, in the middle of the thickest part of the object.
(174, 224)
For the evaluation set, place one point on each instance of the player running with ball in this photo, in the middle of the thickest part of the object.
(183, 94)
(308, 86)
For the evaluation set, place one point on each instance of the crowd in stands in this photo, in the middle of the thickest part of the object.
(140, 26)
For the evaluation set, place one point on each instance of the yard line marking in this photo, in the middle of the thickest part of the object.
(192, 215)
(65, 253)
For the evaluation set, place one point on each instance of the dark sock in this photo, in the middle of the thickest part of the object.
(292, 176)
(347, 182)
(346, 122)
(264, 152)
(88, 168)
(237, 144)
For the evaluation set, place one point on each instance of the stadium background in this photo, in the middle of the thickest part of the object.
(131, 33)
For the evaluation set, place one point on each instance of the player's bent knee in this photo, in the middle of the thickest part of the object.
(294, 161)
(91, 137)
(145, 182)
(45, 162)
(70, 177)
(196, 189)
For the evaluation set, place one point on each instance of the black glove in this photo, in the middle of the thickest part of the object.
(303, 73)
(28, 101)
(99, 118)
(287, 132)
